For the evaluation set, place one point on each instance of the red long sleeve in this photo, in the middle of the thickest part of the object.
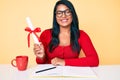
(66, 53)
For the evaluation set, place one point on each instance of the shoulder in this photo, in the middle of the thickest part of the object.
(46, 34)
(47, 31)
(82, 32)
(83, 35)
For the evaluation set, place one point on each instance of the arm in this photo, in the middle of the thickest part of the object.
(40, 53)
(44, 39)
(91, 58)
(40, 61)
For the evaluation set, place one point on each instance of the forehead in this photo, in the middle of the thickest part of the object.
(62, 7)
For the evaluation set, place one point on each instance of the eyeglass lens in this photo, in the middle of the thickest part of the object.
(66, 12)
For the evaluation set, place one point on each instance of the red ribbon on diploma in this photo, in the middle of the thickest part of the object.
(32, 31)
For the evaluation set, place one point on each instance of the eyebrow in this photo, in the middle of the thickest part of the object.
(62, 10)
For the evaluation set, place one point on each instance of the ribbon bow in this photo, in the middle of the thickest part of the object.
(32, 31)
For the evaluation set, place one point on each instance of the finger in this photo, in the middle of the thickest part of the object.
(54, 62)
(36, 49)
(41, 46)
(41, 55)
(38, 53)
(36, 45)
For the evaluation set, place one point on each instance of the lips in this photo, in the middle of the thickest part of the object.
(64, 20)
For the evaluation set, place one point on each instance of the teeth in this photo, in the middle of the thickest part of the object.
(64, 20)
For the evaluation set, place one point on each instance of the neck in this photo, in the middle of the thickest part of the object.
(64, 29)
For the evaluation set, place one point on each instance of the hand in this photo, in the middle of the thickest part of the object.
(58, 61)
(39, 50)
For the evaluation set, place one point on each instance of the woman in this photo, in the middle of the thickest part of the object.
(62, 44)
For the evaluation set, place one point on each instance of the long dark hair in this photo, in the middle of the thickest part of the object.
(75, 34)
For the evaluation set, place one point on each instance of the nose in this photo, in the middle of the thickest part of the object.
(63, 14)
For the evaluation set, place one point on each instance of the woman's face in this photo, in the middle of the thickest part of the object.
(63, 16)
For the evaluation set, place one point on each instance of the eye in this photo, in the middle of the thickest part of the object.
(58, 12)
(68, 11)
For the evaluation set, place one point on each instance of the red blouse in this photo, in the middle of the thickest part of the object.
(65, 52)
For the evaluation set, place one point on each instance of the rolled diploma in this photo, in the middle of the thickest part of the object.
(32, 28)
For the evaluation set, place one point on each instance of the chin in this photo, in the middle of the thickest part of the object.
(64, 25)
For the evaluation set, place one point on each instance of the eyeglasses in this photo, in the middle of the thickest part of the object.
(66, 12)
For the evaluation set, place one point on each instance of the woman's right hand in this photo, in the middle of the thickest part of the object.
(39, 50)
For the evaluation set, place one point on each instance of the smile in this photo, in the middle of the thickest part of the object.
(64, 20)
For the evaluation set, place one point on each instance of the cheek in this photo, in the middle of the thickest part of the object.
(58, 20)
(70, 19)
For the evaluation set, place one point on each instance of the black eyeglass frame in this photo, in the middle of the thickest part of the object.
(65, 13)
